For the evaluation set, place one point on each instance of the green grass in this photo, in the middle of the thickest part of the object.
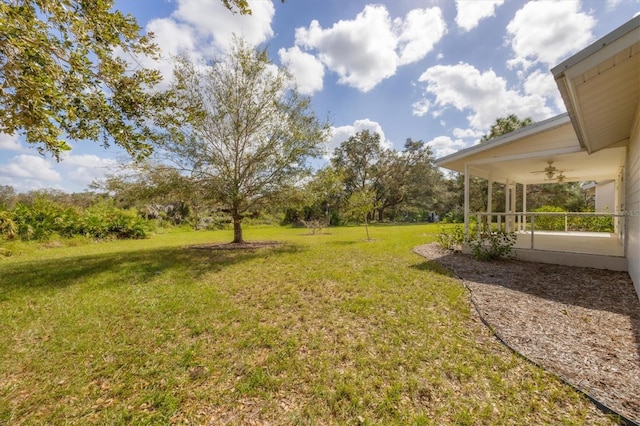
(325, 329)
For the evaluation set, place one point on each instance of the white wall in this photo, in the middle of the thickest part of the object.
(632, 203)
(605, 197)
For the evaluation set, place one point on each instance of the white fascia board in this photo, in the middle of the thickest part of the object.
(609, 45)
(530, 130)
(528, 155)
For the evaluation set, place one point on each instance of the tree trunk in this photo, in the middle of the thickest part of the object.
(380, 214)
(237, 227)
(366, 227)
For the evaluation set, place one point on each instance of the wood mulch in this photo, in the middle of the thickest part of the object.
(581, 324)
(247, 245)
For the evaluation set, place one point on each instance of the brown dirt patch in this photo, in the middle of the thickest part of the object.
(247, 245)
(581, 324)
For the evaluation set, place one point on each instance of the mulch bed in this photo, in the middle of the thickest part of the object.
(581, 324)
(247, 245)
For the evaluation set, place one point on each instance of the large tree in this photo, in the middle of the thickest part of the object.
(247, 131)
(358, 158)
(504, 125)
(63, 75)
(424, 183)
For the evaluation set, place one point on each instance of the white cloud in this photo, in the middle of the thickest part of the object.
(10, 143)
(467, 133)
(421, 107)
(368, 49)
(611, 4)
(548, 32)
(484, 95)
(30, 167)
(203, 30)
(444, 145)
(471, 12)
(305, 68)
(212, 21)
(343, 133)
(361, 51)
(419, 32)
(84, 169)
(543, 84)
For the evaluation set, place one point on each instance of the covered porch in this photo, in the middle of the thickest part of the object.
(546, 152)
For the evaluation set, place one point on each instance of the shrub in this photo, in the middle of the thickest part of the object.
(104, 220)
(451, 238)
(549, 223)
(493, 245)
(314, 225)
(8, 228)
(591, 223)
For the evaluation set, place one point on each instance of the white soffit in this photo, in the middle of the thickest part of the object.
(601, 87)
(552, 136)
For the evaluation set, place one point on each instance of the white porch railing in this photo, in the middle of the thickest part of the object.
(526, 222)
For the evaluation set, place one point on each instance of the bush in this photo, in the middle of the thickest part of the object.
(314, 225)
(574, 223)
(104, 220)
(451, 238)
(493, 245)
(44, 218)
(8, 228)
(591, 223)
(549, 223)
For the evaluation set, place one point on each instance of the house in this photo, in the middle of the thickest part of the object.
(598, 139)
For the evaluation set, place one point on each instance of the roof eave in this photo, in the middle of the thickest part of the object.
(535, 128)
(574, 65)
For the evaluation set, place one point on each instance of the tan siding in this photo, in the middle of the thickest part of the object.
(632, 204)
(605, 199)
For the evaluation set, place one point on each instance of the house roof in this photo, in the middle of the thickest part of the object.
(523, 155)
(600, 86)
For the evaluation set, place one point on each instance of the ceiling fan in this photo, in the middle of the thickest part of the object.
(560, 177)
(548, 171)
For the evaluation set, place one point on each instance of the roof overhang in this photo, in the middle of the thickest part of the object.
(600, 86)
(522, 156)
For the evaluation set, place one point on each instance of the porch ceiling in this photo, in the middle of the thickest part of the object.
(519, 155)
(601, 87)
(577, 166)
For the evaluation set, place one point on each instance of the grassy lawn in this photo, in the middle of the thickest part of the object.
(325, 329)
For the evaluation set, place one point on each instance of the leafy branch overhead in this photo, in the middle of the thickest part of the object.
(64, 76)
(68, 71)
(241, 6)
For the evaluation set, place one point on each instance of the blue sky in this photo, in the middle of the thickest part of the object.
(440, 71)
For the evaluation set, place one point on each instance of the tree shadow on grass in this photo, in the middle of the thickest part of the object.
(433, 266)
(122, 268)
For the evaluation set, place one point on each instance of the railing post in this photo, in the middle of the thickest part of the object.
(566, 222)
(533, 225)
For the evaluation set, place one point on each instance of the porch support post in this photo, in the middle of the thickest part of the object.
(466, 202)
(512, 209)
(524, 206)
(507, 209)
(616, 208)
(489, 202)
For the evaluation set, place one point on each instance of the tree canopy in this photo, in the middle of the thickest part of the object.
(246, 130)
(63, 75)
(504, 125)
